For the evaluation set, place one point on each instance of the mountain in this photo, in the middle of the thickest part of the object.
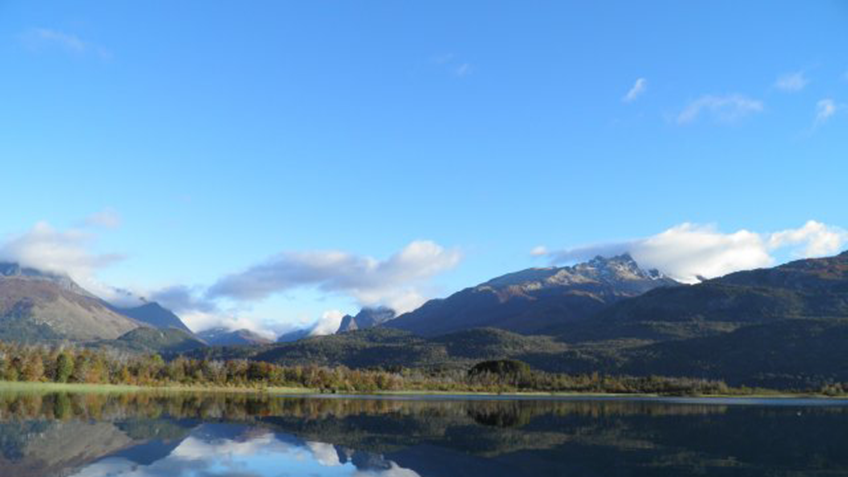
(225, 337)
(537, 300)
(366, 318)
(386, 347)
(784, 327)
(152, 340)
(295, 335)
(36, 306)
(811, 288)
(14, 270)
(155, 315)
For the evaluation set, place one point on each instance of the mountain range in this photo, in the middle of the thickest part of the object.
(783, 327)
(38, 306)
(537, 300)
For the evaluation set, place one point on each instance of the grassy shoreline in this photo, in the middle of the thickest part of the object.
(29, 387)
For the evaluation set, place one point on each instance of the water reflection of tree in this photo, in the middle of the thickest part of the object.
(588, 432)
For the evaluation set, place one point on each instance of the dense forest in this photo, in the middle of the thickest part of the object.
(69, 364)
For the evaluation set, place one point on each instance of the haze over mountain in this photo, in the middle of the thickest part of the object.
(535, 300)
(227, 337)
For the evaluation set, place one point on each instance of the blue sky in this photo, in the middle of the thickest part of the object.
(217, 137)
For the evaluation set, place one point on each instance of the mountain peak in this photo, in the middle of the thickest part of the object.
(618, 267)
(609, 270)
(367, 318)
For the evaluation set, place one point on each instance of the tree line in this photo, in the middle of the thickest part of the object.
(72, 364)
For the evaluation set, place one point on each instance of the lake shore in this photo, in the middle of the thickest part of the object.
(29, 387)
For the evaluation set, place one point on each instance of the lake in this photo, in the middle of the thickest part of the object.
(149, 434)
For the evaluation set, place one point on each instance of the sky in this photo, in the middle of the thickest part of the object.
(274, 164)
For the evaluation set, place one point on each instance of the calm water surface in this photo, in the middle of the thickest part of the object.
(246, 436)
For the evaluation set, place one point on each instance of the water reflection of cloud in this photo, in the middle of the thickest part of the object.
(393, 471)
(326, 454)
(263, 454)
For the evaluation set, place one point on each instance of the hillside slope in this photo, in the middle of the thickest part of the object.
(34, 310)
(155, 315)
(535, 301)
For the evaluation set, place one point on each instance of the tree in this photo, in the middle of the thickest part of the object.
(502, 371)
(33, 369)
(64, 367)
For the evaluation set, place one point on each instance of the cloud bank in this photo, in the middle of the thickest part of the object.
(689, 251)
(66, 252)
(394, 282)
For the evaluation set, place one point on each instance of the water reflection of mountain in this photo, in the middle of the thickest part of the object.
(62, 435)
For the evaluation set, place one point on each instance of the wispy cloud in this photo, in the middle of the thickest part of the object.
(39, 38)
(464, 69)
(638, 89)
(454, 64)
(727, 108)
(689, 251)
(792, 82)
(825, 109)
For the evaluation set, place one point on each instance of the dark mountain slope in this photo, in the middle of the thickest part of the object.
(155, 315)
(152, 340)
(800, 353)
(535, 301)
(811, 288)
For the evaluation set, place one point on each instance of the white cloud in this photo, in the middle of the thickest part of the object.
(814, 239)
(393, 282)
(38, 38)
(726, 108)
(539, 251)
(688, 251)
(792, 82)
(825, 109)
(328, 324)
(200, 313)
(637, 90)
(59, 251)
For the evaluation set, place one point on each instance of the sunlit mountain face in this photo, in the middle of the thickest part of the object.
(147, 435)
